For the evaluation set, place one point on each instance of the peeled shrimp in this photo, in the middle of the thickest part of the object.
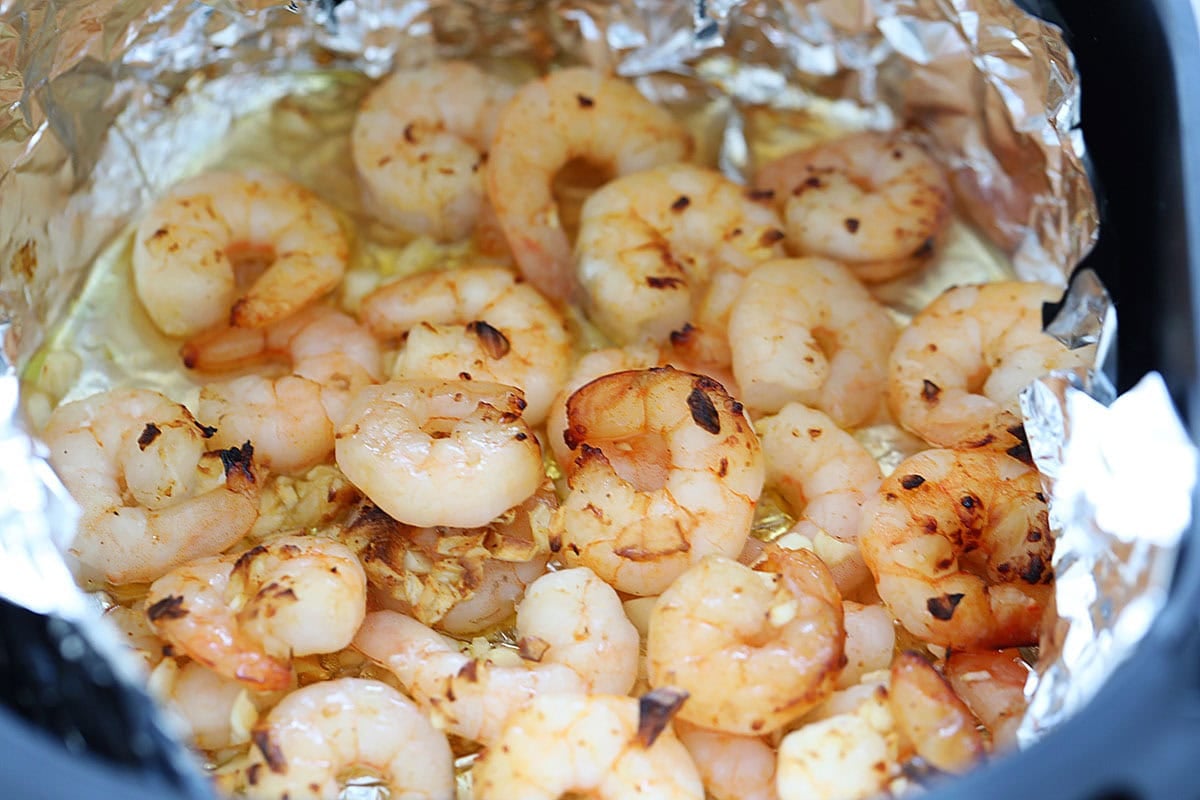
(206, 702)
(318, 734)
(481, 322)
(960, 548)
(874, 201)
(870, 641)
(826, 476)
(245, 616)
(289, 419)
(570, 114)
(754, 648)
(420, 145)
(152, 493)
(575, 639)
(992, 684)
(586, 747)
(188, 247)
(732, 767)
(956, 373)
(458, 580)
(651, 243)
(667, 471)
(806, 330)
(932, 717)
(451, 453)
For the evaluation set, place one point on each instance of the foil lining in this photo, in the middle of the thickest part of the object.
(107, 103)
(1118, 526)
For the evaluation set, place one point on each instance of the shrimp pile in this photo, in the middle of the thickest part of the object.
(592, 517)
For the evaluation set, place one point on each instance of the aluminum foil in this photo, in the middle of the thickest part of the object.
(107, 103)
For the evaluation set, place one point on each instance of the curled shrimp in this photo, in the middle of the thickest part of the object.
(290, 419)
(153, 494)
(420, 145)
(574, 639)
(651, 243)
(206, 701)
(956, 373)
(877, 202)
(188, 247)
(460, 581)
(480, 322)
(594, 747)
(574, 113)
(244, 616)
(870, 641)
(318, 734)
(666, 471)
(992, 684)
(806, 330)
(732, 767)
(453, 453)
(754, 648)
(932, 717)
(826, 476)
(960, 547)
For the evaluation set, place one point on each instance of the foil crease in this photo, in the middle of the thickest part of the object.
(1118, 526)
(101, 103)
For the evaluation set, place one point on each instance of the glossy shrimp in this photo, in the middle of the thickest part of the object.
(153, 492)
(992, 684)
(479, 322)
(601, 747)
(666, 470)
(732, 767)
(322, 732)
(420, 144)
(956, 373)
(244, 616)
(651, 245)
(932, 717)
(877, 202)
(205, 700)
(570, 114)
(806, 330)
(453, 453)
(460, 581)
(754, 648)
(290, 419)
(959, 544)
(194, 250)
(826, 476)
(574, 637)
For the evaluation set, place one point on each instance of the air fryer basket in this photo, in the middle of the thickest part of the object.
(1140, 66)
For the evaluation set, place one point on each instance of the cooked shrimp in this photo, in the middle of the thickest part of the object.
(753, 648)
(152, 494)
(732, 767)
(587, 747)
(451, 453)
(992, 684)
(870, 641)
(318, 734)
(651, 243)
(826, 476)
(876, 202)
(206, 702)
(244, 616)
(667, 471)
(289, 419)
(570, 114)
(460, 581)
(932, 717)
(847, 756)
(960, 548)
(956, 373)
(591, 366)
(575, 639)
(806, 330)
(188, 248)
(480, 322)
(420, 144)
